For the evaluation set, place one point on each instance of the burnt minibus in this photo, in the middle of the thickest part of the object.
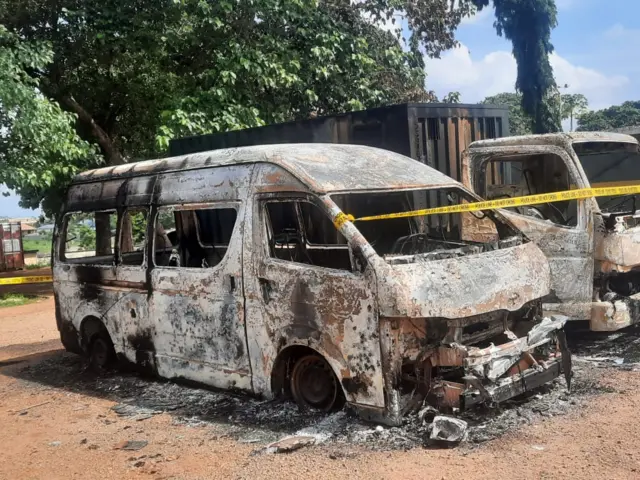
(246, 269)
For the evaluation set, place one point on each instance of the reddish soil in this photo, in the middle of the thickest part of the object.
(51, 432)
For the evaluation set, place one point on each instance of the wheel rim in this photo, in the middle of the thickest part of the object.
(313, 384)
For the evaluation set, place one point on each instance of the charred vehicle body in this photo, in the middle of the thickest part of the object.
(593, 245)
(233, 268)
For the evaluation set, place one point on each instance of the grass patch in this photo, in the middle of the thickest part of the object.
(16, 299)
(38, 266)
(41, 245)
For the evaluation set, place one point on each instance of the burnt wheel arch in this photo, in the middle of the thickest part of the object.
(283, 368)
(90, 327)
(97, 344)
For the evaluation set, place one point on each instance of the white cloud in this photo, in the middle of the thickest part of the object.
(601, 90)
(475, 79)
(496, 72)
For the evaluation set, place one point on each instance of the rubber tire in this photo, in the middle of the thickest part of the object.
(335, 399)
(102, 355)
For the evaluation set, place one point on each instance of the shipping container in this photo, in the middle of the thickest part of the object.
(432, 133)
(11, 254)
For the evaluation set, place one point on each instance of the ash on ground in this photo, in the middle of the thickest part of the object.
(259, 422)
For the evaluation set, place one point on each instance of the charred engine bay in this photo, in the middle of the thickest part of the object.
(260, 422)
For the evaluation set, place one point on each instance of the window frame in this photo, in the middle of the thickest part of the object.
(61, 251)
(236, 205)
(267, 232)
(499, 155)
(118, 247)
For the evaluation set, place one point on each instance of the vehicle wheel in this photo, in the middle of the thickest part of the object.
(101, 352)
(313, 384)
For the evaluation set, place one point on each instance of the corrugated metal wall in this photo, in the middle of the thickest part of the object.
(439, 143)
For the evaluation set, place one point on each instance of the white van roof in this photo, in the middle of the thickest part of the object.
(323, 168)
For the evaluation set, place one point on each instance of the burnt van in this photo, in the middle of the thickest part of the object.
(246, 269)
(593, 244)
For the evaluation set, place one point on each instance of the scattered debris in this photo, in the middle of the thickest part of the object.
(23, 411)
(342, 455)
(290, 444)
(55, 444)
(427, 414)
(131, 445)
(139, 463)
(448, 430)
(83, 441)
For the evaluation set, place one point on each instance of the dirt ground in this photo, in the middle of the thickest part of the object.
(58, 421)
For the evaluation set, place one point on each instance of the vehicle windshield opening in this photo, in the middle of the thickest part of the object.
(421, 234)
(611, 164)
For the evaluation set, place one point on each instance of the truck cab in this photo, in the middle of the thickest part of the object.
(592, 244)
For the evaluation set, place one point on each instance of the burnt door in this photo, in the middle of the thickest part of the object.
(563, 230)
(197, 300)
(302, 290)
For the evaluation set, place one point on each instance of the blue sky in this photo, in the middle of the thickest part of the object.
(596, 54)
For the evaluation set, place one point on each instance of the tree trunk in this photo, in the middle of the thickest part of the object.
(103, 234)
(571, 121)
(113, 156)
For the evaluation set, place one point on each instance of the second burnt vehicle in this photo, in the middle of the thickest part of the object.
(593, 244)
(235, 268)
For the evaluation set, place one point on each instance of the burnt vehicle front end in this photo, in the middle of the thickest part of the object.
(459, 302)
(613, 160)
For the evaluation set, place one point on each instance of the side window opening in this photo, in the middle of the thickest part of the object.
(89, 238)
(197, 238)
(133, 235)
(523, 175)
(299, 232)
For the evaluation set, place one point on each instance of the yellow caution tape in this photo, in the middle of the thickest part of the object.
(20, 280)
(578, 194)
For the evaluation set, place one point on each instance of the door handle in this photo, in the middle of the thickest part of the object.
(266, 286)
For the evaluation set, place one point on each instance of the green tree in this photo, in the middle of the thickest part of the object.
(519, 122)
(121, 78)
(528, 24)
(573, 105)
(617, 116)
(132, 75)
(452, 97)
(39, 147)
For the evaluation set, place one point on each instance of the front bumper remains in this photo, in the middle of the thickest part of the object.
(499, 372)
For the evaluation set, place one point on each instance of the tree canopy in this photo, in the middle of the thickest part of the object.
(39, 146)
(617, 116)
(113, 81)
(519, 122)
(560, 107)
(573, 105)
